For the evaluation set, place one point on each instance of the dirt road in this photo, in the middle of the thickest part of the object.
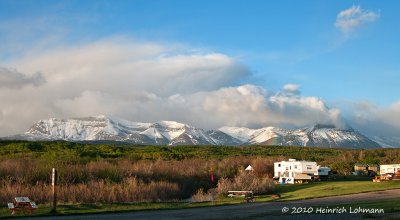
(271, 210)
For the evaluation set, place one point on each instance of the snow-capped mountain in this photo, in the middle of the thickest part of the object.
(113, 129)
(102, 128)
(222, 138)
(318, 135)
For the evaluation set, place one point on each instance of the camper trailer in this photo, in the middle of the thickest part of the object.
(388, 172)
(389, 168)
(294, 171)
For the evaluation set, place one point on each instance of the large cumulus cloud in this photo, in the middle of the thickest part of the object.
(148, 82)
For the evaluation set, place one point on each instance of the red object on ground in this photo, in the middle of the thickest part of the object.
(212, 175)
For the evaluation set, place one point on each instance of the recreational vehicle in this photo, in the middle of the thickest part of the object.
(294, 171)
(389, 168)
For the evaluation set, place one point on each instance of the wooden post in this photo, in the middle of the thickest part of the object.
(54, 184)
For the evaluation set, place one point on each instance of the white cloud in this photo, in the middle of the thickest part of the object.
(114, 76)
(150, 82)
(351, 18)
(246, 105)
(249, 105)
(291, 89)
(11, 78)
(123, 66)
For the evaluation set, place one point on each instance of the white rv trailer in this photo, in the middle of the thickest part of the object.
(389, 168)
(293, 171)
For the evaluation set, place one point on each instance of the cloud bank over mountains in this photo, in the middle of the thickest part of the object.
(11, 78)
(147, 82)
(375, 120)
(150, 82)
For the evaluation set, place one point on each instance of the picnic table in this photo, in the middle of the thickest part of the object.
(248, 195)
(22, 204)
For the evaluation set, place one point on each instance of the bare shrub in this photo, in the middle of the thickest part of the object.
(130, 190)
(263, 167)
(245, 181)
(202, 196)
(39, 193)
(224, 185)
(124, 180)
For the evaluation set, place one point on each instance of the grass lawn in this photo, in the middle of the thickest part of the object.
(66, 209)
(332, 188)
(311, 190)
(288, 192)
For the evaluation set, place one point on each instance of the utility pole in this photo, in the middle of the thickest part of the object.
(54, 184)
(155, 138)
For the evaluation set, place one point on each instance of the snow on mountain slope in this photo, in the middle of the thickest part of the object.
(165, 129)
(221, 138)
(254, 136)
(73, 129)
(323, 135)
(264, 134)
(107, 128)
(241, 133)
(319, 135)
(174, 133)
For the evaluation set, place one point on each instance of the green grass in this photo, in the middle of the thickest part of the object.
(68, 209)
(332, 188)
(288, 193)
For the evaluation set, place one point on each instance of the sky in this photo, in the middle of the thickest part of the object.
(205, 63)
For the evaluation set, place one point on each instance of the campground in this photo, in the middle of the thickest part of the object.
(351, 192)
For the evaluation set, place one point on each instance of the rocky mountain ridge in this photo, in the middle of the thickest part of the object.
(103, 128)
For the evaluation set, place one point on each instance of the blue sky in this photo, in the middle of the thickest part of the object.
(281, 41)
(349, 66)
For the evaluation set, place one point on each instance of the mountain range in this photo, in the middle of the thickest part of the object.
(103, 128)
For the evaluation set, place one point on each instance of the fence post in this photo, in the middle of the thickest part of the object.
(54, 184)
